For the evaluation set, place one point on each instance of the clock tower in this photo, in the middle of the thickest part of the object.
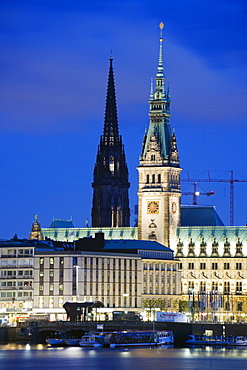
(159, 168)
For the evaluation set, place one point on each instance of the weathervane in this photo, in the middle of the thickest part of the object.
(161, 25)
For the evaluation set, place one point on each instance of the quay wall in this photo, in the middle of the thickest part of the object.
(38, 331)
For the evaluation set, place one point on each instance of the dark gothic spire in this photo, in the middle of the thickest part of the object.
(110, 135)
(110, 196)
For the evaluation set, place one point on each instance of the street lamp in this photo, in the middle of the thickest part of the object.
(76, 281)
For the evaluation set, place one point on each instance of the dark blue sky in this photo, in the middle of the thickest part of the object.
(54, 64)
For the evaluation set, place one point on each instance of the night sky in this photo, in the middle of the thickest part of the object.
(54, 61)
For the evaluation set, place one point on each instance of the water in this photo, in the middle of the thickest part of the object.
(21, 356)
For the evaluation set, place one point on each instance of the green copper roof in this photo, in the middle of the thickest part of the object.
(70, 234)
(57, 223)
(159, 111)
(135, 244)
(200, 216)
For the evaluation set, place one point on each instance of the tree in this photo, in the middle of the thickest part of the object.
(150, 305)
(183, 306)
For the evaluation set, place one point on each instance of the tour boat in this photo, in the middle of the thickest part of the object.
(139, 338)
(72, 342)
(230, 340)
(94, 340)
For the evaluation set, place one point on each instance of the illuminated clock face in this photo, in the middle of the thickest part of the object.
(174, 207)
(153, 207)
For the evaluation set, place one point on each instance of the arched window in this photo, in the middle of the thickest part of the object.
(153, 178)
(159, 178)
(147, 180)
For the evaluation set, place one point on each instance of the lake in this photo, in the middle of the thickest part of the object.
(39, 356)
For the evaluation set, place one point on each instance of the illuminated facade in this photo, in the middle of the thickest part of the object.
(120, 274)
(159, 169)
(17, 277)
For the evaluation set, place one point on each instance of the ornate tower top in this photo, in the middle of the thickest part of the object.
(160, 66)
(159, 113)
(159, 170)
(36, 231)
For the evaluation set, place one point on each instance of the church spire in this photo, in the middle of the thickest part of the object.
(110, 184)
(111, 134)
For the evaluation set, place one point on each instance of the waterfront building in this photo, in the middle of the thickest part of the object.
(17, 277)
(38, 277)
(213, 264)
(120, 274)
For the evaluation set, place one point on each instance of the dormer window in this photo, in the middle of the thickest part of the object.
(152, 157)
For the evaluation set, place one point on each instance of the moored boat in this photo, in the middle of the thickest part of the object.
(230, 340)
(139, 338)
(72, 342)
(56, 342)
(94, 340)
(164, 337)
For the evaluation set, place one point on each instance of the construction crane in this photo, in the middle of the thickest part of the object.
(195, 194)
(231, 181)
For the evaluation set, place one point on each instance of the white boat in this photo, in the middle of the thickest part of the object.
(240, 341)
(94, 340)
(140, 338)
(164, 337)
(230, 340)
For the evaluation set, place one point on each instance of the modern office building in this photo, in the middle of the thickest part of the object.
(120, 274)
(17, 276)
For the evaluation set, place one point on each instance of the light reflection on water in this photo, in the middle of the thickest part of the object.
(28, 356)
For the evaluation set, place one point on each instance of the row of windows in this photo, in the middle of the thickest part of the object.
(16, 283)
(89, 275)
(16, 273)
(152, 178)
(214, 266)
(159, 290)
(15, 263)
(158, 266)
(215, 286)
(15, 294)
(16, 252)
(91, 260)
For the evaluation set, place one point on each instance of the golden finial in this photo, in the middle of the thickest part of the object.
(161, 25)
